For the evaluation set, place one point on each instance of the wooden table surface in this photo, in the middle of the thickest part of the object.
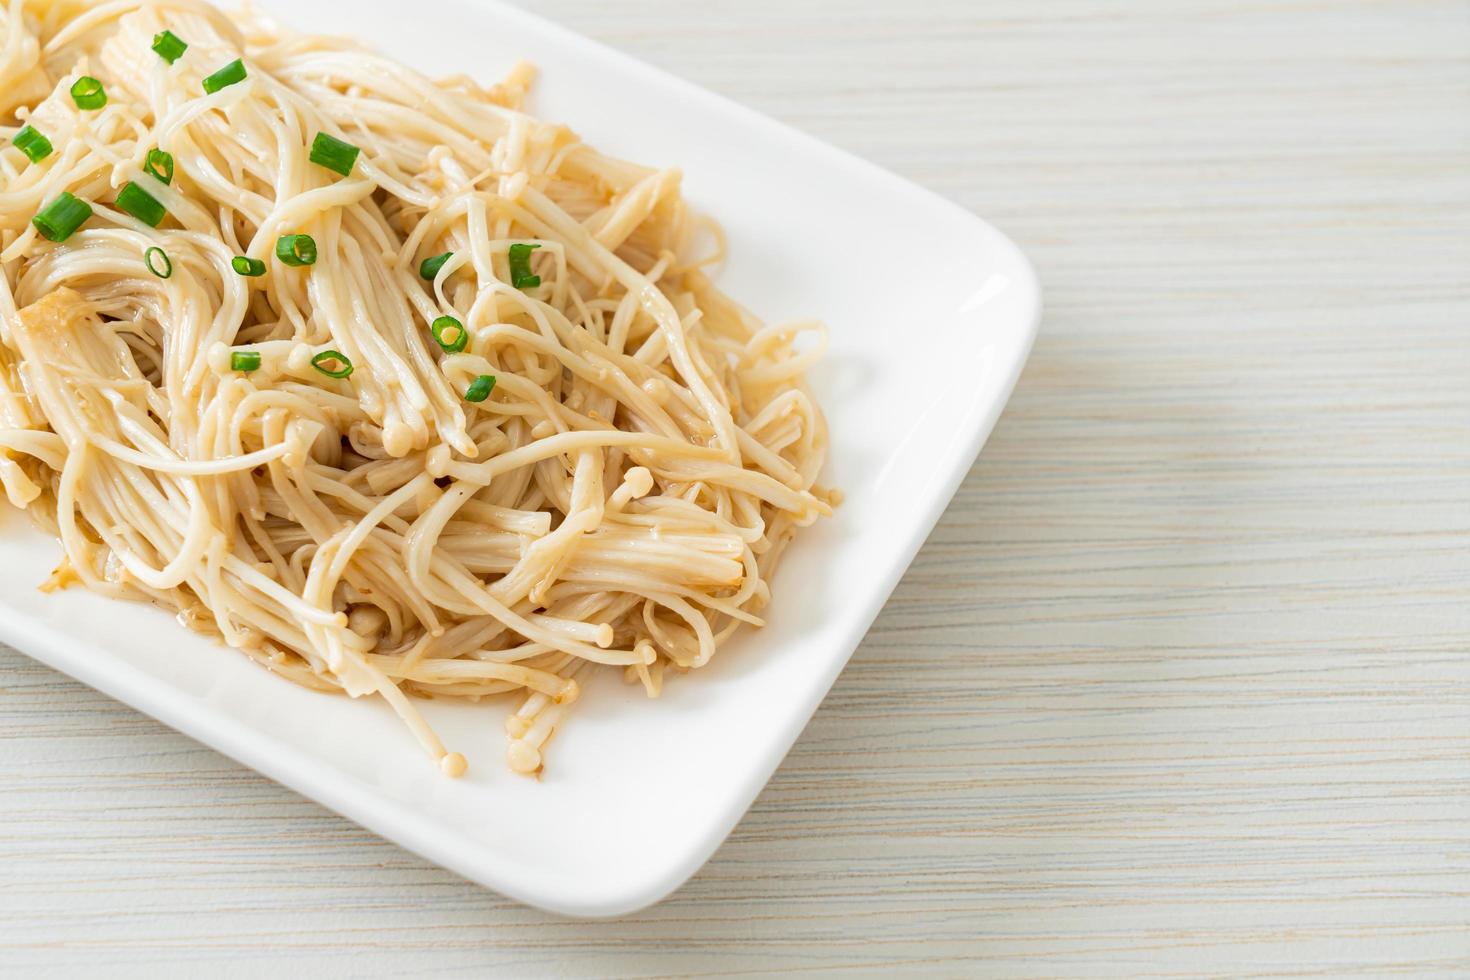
(1181, 683)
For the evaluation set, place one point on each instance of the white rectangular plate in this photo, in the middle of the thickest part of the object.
(932, 314)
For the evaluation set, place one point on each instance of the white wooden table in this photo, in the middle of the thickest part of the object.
(1180, 685)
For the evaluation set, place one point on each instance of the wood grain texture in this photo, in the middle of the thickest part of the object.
(1181, 683)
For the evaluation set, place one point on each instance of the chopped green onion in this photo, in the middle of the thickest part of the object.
(61, 217)
(245, 360)
(158, 262)
(160, 165)
(520, 266)
(169, 46)
(322, 360)
(332, 153)
(296, 249)
(480, 388)
(429, 268)
(87, 93)
(450, 334)
(246, 266)
(140, 204)
(225, 77)
(33, 143)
